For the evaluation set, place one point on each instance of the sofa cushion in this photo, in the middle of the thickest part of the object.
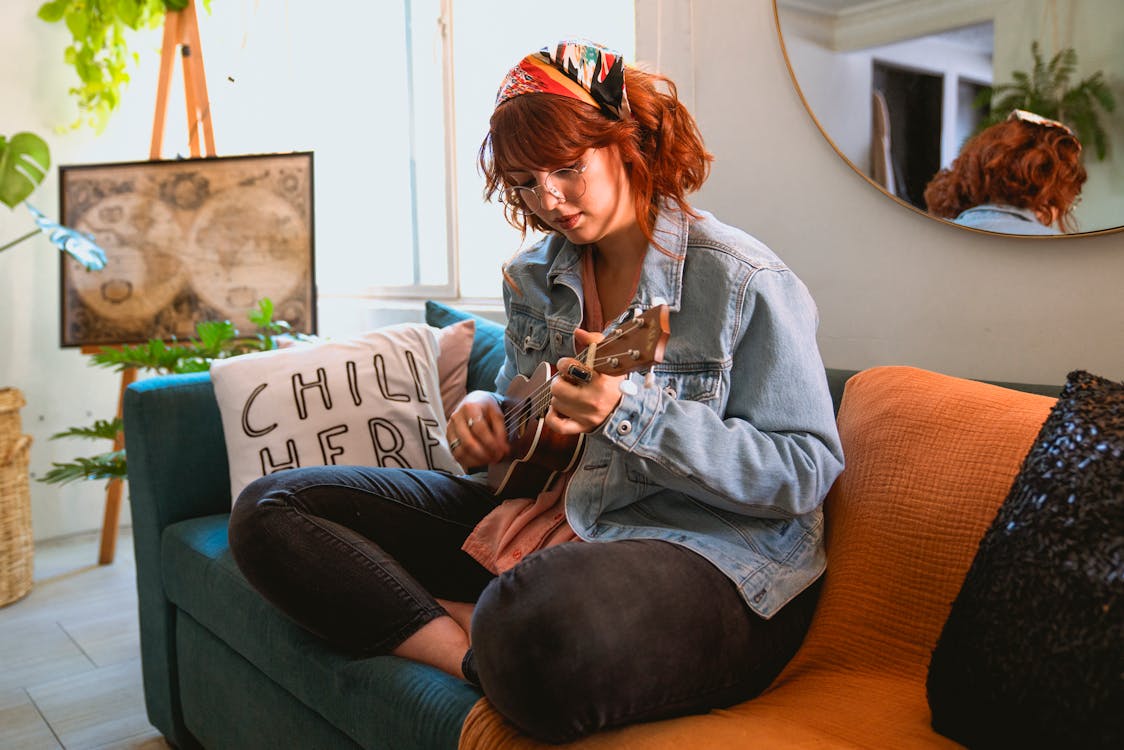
(372, 400)
(379, 702)
(929, 459)
(1033, 650)
(487, 354)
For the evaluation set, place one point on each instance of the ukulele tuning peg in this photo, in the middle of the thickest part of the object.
(650, 379)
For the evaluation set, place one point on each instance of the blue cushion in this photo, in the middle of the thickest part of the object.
(378, 701)
(486, 358)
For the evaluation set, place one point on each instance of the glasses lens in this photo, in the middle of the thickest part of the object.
(516, 198)
(569, 182)
(563, 184)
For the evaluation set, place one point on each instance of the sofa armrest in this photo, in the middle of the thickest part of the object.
(177, 470)
(176, 452)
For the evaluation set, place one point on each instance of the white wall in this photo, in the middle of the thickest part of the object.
(61, 390)
(893, 286)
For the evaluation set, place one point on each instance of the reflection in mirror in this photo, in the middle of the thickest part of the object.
(893, 84)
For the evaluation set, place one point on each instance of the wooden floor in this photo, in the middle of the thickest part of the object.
(70, 674)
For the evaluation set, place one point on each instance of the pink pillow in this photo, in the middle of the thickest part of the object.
(455, 344)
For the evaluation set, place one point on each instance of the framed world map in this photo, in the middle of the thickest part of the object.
(188, 240)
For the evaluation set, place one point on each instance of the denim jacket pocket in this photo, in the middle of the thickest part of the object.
(530, 338)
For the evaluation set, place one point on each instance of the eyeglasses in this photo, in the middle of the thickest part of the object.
(1022, 114)
(567, 184)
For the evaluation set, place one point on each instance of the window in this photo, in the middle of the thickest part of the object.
(394, 99)
(489, 36)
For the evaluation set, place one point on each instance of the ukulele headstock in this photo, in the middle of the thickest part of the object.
(635, 344)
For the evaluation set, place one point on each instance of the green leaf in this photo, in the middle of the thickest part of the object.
(102, 466)
(102, 429)
(130, 14)
(78, 22)
(214, 334)
(54, 11)
(24, 161)
(263, 316)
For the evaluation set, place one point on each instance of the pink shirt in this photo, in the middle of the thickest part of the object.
(519, 526)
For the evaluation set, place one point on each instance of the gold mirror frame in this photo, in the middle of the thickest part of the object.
(861, 173)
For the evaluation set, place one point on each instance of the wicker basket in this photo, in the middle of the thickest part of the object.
(16, 549)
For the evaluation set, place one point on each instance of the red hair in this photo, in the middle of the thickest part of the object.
(660, 145)
(1016, 163)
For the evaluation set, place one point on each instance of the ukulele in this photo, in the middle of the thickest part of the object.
(540, 455)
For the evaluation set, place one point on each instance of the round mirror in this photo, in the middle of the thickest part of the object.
(899, 86)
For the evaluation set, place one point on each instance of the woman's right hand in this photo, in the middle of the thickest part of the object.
(476, 431)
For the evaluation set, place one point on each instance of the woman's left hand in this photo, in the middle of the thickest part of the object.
(578, 406)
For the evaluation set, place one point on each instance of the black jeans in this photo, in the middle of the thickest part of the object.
(576, 638)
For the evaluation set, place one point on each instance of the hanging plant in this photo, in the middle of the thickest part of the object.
(1047, 90)
(99, 51)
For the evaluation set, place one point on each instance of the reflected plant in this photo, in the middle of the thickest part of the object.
(1047, 90)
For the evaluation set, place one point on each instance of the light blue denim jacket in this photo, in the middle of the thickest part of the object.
(733, 448)
(995, 217)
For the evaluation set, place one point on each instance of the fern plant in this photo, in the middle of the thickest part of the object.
(1047, 90)
(213, 340)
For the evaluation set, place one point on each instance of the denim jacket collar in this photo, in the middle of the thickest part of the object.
(661, 278)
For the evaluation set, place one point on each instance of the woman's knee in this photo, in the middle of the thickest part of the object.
(255, 510)
(537, 657)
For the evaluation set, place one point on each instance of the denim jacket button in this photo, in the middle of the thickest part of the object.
(624, 428)
(557, 341)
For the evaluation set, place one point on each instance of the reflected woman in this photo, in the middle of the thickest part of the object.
(1019, 176)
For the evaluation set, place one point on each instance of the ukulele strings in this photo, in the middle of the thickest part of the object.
(537, 400)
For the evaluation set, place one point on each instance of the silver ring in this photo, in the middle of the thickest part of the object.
(470, 421)
(455, 444)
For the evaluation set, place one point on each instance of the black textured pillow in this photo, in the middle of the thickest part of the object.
(1032, 654)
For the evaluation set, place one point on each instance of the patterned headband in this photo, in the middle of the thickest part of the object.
(1024, 116)
(576, 68)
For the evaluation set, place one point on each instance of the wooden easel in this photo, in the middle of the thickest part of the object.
(181, 31)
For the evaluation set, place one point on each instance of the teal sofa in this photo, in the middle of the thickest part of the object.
(224, 669)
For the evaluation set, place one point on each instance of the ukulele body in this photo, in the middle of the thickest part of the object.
(538, 455)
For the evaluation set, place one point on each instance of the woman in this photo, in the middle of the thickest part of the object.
(1019, 176)
(672, 571)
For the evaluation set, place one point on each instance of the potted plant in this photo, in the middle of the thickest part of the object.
(24, 161)
(1047, 90)
(213, 340)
